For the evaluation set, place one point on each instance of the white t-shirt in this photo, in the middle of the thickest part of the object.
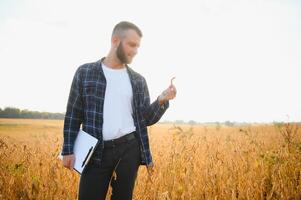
(117, 112)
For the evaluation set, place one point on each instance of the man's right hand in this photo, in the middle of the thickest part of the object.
(68, 161)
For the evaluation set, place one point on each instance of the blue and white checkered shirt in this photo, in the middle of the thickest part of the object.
(85, 107)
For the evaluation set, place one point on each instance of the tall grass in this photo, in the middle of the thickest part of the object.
(191, 162)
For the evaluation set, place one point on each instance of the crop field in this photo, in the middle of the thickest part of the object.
(191, 162)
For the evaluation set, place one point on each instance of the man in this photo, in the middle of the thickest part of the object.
(111, 101)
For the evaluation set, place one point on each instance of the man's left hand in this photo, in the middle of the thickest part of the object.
(150, 172)
(168, 94)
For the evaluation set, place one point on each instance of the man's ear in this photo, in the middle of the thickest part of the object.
(115, 40)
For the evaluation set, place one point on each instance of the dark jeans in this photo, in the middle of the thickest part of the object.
(95, 179)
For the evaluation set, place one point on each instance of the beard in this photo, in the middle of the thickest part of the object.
(121, 54)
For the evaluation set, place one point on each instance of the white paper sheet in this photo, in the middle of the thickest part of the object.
(84, 146)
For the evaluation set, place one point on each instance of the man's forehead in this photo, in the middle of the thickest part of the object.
(130, 33)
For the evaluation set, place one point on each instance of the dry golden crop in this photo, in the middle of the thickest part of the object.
(191, 162)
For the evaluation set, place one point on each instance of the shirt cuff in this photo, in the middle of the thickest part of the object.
(164, 106)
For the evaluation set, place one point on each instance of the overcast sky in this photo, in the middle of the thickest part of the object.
(237, 60)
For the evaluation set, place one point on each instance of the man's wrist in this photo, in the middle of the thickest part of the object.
(161, 100)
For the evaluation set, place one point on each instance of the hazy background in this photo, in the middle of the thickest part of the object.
(236, 60)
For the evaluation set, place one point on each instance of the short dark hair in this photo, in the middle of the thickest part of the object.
(123, 26)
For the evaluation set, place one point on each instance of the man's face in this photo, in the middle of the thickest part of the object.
(128, 47)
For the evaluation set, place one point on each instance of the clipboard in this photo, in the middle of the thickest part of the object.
(84, 147)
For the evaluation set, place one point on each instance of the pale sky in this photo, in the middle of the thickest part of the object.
(237, 60)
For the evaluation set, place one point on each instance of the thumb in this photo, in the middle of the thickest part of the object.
(72, 161)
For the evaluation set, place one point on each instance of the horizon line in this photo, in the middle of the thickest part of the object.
(172, 121)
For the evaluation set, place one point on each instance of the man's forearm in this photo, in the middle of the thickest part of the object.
(155, 111)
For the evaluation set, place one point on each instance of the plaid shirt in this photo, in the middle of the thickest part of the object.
(85, 107)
